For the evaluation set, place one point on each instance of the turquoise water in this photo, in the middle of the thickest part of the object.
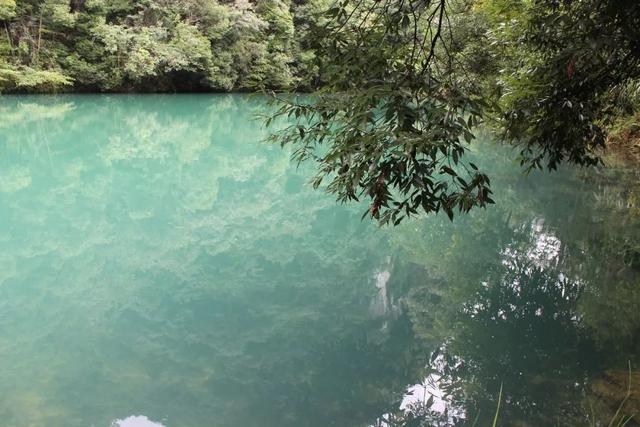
(159, 265)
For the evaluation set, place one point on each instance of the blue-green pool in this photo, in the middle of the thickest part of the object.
(160, 265)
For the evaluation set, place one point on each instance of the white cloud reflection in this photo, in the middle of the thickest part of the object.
(136, 421)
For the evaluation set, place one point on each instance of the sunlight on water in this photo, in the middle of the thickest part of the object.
(136, 421)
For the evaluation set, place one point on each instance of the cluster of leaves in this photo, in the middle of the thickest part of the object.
(29, 79)
(7, 9)
(391, 122)
(579, 57)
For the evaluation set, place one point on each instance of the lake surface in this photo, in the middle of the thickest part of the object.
(161, 266)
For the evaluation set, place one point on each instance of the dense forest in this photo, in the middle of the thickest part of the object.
(154, 45)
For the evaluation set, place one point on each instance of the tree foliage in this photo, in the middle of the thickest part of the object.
(407, 83)
(395, 120)
(7, 9)
(157, 45)
(580, 54)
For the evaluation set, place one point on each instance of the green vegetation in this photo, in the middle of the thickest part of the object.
(407, 84)
(154, 45)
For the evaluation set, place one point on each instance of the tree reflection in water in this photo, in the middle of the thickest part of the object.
(554, 323)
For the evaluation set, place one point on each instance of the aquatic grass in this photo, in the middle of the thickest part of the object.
(495, 418)
(624, 420)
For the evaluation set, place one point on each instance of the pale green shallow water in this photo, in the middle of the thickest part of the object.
(157, 260)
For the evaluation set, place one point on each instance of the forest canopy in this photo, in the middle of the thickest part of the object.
(154, 45)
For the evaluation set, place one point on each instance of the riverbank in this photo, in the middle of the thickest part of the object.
(623, 139)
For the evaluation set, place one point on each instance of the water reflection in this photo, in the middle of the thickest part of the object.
(136, 421)
(523, 305)
(155, 258)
